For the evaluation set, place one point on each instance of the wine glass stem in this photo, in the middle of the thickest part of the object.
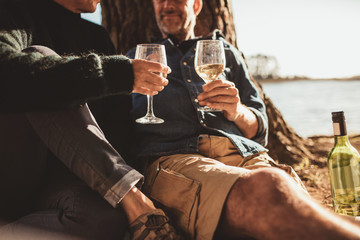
(150, 106)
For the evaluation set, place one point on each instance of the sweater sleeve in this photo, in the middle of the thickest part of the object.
(33, 82)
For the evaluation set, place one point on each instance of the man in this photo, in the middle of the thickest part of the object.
(43, 107)
(209, 170)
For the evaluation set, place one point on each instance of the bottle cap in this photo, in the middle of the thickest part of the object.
(338, 116)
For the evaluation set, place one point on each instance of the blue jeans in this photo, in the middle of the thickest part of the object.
(56, 168)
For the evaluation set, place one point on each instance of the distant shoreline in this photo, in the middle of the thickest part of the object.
(302, 78)
(350, 135)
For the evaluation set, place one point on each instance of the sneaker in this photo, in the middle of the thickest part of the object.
(153, 225)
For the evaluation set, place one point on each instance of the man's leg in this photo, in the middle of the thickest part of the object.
(38, 202)
(259, 197)
(68, 210)
(268, 204)
(81, 213)
(23, 162)
(75, 138)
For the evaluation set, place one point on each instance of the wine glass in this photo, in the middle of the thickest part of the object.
(155, 53)
(209, 62)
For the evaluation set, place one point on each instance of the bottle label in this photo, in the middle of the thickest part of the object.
(336, 127)
(339, 129)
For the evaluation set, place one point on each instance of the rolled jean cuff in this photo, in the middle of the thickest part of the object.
(117, 192)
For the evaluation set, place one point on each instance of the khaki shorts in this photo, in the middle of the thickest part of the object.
(192, 188)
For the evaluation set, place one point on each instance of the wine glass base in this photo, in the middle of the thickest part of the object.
(149, 120)
(208, 109)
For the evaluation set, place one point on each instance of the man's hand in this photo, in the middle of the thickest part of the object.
(223, 95)
(148, 78)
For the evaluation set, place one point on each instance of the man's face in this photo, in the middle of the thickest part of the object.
(175, 17)
(79, 6)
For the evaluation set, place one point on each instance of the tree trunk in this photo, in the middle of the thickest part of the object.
(132, 21)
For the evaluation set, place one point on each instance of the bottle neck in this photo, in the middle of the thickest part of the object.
(339, 129)
(340, 133)
(341, 140)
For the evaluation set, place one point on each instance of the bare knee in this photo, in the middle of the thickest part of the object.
(269, 184)
(253, 197)
(258, 190)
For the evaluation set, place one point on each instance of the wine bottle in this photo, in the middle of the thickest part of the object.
(344, 170)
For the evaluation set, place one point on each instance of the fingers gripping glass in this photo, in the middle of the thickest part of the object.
(209, 62)
(155, 53)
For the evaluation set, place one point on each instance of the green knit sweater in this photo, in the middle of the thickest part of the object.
(31, 82)
(88, 69)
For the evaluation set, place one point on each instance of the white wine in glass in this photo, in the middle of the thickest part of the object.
(155, 53)
(209, 62)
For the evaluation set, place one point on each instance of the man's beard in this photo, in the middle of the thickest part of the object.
(171, 30)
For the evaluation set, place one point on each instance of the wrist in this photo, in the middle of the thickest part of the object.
(135, 203)
(247, 122)
(239, 117)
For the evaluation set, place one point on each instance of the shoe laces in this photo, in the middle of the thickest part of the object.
(156, 221)
(163, 230)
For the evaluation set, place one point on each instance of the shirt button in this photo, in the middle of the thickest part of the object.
(189, 80)
(196, 100)
(185, 63)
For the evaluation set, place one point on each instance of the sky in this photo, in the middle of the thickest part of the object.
(313, 38)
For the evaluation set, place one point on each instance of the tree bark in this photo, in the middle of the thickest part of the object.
(132, 21)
